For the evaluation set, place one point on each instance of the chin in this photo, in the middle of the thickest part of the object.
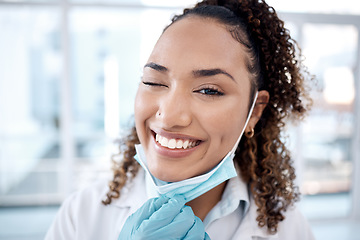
(168, 176)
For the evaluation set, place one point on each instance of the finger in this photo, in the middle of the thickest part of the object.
(155, 205)
(164, 216)
(178, 228)
(149, 207)
(183, 221)
(197, 231)
(144, 212)
(207, 237)
(180, 199)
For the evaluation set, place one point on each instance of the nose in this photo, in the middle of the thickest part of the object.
(174, 110)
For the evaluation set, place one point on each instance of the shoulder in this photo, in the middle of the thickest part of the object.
(91, 196)
(76, 211)
(93, 193)
(83, 215)
(294, 226)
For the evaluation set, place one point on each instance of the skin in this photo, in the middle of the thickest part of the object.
(195, 86)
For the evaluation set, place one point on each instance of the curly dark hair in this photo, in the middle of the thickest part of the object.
(276, 66)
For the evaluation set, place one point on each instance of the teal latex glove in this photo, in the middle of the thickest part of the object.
(197, 231)
(163, 218)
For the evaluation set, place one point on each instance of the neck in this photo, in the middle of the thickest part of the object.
(202, 205)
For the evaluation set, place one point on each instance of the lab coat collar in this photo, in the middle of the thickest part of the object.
(234, 196)
(238, 190)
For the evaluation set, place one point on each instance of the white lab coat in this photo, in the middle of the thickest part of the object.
(82, 216)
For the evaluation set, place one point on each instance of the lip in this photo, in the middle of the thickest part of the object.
(173, 153)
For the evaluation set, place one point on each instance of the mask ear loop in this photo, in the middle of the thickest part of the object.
(232, 152)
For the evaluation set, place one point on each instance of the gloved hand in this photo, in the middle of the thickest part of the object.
(197, 231)
(163, 218)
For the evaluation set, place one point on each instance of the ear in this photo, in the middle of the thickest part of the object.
(260, 104)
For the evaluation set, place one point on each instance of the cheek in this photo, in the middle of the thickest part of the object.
(144, 108)
(225, 126)
(138, 105)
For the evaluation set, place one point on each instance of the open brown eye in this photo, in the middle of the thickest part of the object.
(211, 91)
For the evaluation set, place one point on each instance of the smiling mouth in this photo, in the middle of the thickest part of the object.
(176, 143)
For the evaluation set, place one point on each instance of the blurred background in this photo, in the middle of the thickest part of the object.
(69, 70)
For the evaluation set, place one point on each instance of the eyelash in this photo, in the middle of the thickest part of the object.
(208, 91)
(153, 84)
(214, 92)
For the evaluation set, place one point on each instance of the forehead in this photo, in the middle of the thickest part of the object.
(199, 42)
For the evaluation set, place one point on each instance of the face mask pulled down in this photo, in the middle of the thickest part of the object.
(193, 187)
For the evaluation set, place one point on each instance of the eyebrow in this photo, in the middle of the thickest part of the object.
(211, 72)
(196, 73)
(156, 67)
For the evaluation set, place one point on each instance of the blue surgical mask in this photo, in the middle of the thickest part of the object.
(193, 187)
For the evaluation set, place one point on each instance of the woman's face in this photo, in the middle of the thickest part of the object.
(193, 100)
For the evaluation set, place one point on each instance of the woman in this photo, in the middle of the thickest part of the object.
(221, 69)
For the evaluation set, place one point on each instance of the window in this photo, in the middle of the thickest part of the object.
(30, 73)
(324, 140)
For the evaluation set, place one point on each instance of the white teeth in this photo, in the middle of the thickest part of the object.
(164, 141)
(179, 144)
(173, 143)
(186, 144)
